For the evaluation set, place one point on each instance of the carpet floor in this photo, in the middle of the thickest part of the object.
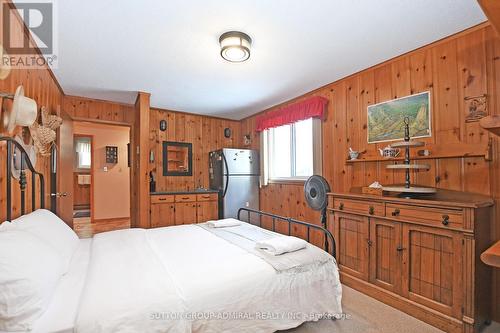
(367, 315)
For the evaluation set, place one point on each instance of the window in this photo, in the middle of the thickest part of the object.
(294, 151)
(83, 152)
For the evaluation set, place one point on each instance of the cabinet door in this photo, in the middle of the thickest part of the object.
(385, 254)
(185, 213)
(351, 235)
(432, 268)
(207, 211)
(162, 215)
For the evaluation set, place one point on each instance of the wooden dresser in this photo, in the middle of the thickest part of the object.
(418, 255)
(169, 209)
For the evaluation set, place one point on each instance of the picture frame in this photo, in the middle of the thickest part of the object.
(385, 119)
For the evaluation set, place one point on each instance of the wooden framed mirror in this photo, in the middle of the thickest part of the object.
(177, 158)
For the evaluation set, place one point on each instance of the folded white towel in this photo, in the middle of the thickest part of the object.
(224, 223)
(281, 244)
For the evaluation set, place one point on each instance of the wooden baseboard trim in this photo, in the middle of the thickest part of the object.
(114, 219)
(432, 317)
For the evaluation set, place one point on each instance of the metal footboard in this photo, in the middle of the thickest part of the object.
(249, 213)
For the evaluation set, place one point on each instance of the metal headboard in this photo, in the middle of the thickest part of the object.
(25, 164)
(329, 239)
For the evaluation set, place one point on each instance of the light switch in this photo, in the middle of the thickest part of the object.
(105, 169)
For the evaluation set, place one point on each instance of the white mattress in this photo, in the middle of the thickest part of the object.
(182, 270)
(63, 309)
(184, 279)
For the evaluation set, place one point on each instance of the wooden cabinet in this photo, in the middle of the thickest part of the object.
(351, 235)
(206, 211)
(185, 213)
(162, 215)
(386, 250)
(177, 209)
(433, 268)
(418, 255)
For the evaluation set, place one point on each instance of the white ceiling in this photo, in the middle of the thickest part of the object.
(112, 49)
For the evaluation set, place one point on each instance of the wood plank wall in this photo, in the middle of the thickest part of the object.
(41, 86)
(86, 109)
(466, 64)
(205, 133)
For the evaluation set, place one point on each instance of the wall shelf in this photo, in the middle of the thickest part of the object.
(491, 123)
(436, 151)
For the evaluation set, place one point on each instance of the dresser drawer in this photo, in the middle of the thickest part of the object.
(432, 216)
(158, 199)
(207, 197)
(185, 197)
(359, 206)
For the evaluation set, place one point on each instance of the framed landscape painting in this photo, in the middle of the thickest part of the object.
(385, 120)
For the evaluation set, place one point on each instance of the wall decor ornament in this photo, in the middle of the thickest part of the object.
(247, 140)
(227, 132)
(476, 107)
(384, 119)
(163, 125)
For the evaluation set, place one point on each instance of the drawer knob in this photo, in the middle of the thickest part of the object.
(341, 206)
(395, 212)
(371, 210)
(446, 219)
(400, 248)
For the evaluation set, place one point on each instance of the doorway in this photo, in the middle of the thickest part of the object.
(82, 177)
(101, 193)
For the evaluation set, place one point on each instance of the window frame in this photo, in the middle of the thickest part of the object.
(317, 154)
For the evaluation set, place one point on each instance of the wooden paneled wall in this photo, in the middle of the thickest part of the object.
(466, 64)
(81, 108)
(205, 133)
(40, 85)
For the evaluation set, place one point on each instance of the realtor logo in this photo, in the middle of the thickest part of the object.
(37, 48)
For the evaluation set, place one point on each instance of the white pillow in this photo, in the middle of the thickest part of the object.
(5, 225)
(29, 272)
(50, 228)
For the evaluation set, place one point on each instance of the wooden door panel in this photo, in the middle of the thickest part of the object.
(65, 170)
(432, 272)
(351, 232)
(385, 254)
(162, 215)
(185, 213)
(207, 211)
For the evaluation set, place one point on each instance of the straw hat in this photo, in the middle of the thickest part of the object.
(4, 69)
(43, 137)
(49, 120)
(16, 158)
(23, 112)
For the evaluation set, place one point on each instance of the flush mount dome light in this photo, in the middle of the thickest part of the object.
(235, 46)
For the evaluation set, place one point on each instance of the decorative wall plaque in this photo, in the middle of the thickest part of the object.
(476, 107)
(111, 154)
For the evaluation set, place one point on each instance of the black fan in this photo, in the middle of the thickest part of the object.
(315, 190)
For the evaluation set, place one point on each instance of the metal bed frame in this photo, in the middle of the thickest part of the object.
(329, 239)
(12, 146)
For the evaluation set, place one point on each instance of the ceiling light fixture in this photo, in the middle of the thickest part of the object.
(235, 46)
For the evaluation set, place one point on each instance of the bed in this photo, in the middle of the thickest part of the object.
(175, 279)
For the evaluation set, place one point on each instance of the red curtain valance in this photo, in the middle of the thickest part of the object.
(309, 108)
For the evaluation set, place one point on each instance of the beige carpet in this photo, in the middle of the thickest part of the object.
(368, 315)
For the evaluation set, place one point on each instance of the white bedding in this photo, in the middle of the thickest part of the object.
(61, 314)
(185, 279)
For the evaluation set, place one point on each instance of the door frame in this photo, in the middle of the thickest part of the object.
(131, 157)
(92, 170)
